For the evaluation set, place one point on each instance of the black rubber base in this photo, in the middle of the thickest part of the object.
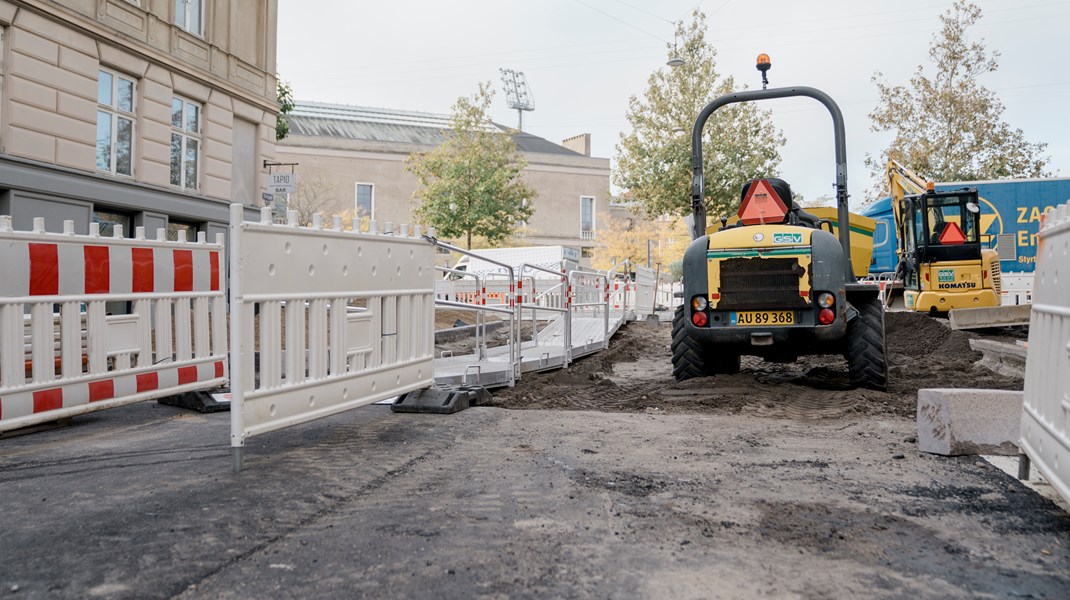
(441, 401)
(199, 401)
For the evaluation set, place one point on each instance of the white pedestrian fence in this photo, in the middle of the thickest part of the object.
(90, 322)
(645, 291)
(319, 320)
(1046, 410)
(333, 319)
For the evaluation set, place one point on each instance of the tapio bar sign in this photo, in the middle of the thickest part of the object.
(280, 183)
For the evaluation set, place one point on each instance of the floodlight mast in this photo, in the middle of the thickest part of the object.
(517, 94)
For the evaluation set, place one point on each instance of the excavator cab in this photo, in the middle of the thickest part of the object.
(942, 252)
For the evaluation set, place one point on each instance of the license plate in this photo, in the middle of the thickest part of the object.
(762, 317)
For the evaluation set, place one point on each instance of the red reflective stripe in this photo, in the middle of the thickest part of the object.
(97, 269)
(187, 375)
(805, 293)
(46, 400)
(143, 278)
(219, 368)
(715, 296)
(213, 258)
(183, 270)
(101, 390)
(44, 270)
(148, 381)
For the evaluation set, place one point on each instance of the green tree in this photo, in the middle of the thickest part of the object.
(654, 158)
(285, 96)
(472, 183)
(948, 126)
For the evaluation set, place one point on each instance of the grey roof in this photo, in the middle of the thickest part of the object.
(318, 119)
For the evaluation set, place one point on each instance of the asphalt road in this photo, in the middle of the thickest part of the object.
(140, 502)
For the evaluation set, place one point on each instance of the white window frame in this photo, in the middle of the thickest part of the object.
(117, 113)
(186, 136)
(356, 207)
(589, 235)
(185, 25)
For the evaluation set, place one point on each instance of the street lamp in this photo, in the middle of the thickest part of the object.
(674, 60)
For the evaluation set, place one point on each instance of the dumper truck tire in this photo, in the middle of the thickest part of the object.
(866, 351)
(687, 358)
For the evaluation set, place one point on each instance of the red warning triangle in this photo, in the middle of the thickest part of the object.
(762, 205)
(952, 234)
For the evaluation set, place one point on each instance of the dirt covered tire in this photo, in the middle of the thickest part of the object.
(687, 356)
(866, 351)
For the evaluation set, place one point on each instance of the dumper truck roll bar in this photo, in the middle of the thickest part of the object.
(698, 206)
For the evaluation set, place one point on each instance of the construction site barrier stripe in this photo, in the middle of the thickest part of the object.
(62, 353)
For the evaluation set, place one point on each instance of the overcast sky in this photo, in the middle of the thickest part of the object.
(584, 58)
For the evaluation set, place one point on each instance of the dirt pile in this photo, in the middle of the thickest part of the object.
(635, 375)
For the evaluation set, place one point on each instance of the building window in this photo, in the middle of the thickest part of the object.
(108, 220)
(587, 252)
(189, 15)
(185, 143)
(115, 123)
(243, 167)
(365, 203)
(587, 217)
(522, 226)
(181, 230)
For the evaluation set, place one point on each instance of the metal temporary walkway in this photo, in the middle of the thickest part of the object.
(546, 352)
(563, 316)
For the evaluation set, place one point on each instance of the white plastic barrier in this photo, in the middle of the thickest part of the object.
(645, 282)
(1046, 410)
(345, 319)
(62, 355)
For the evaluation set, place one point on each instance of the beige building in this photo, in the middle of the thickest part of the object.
(154, 113)
(353, 158)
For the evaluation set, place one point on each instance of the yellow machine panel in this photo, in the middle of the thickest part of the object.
(758, 242)
(952, 284)
(862, 229)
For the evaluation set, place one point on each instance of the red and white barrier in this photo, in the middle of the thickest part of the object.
(62, 354)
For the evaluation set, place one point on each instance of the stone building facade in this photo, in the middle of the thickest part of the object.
(154, 113)
(353, 158)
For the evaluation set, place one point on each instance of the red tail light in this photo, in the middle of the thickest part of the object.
(826, 316)
(699, 319)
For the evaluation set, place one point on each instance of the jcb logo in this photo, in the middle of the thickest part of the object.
(787, 238)
(945, 276)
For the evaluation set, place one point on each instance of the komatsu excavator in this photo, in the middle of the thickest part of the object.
(941, 262)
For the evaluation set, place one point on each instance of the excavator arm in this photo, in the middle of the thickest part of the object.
(903, 182)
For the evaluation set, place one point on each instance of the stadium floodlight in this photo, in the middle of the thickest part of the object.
(517, 94)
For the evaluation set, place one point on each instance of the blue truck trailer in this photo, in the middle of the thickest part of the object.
(1010, 219)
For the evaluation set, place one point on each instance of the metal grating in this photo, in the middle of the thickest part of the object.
(1007, 246)
(756, 283)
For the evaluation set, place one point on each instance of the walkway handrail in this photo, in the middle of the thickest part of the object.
(604, 303)
(514, 337)
(481, 321)
(535, 307)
